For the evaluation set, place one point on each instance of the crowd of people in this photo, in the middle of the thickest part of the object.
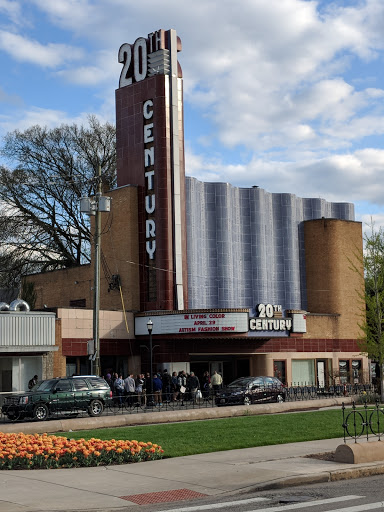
(162, 387)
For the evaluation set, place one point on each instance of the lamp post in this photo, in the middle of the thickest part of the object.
(96, 286)
(150, 327)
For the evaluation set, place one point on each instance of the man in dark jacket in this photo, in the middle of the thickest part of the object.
(194, 385)
(166, 386)
(157, 387)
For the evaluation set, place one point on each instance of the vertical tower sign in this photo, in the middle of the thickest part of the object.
(150, 154)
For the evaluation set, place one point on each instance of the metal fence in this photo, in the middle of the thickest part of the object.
(143, 403)
(312, 392)
(363, 421)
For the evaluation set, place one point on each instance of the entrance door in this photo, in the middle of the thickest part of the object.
(199, 368)
(216, 366)
(242, 368)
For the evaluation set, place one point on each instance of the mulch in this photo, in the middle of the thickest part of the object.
(330, 456)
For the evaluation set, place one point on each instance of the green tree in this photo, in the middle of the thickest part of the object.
(373, 342)
(41, 227)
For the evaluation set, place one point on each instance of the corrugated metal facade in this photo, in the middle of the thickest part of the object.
(27, 329)
(246, 245)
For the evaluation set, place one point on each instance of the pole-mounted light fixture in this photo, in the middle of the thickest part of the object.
(150, 328)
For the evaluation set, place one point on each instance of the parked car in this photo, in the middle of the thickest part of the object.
(55, 396)
(249, 390)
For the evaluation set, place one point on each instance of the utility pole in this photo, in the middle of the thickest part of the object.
(96, 286)
(94, 206)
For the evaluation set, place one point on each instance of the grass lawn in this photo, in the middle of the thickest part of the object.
(188, 438)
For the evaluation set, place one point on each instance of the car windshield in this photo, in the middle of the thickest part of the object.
(241, 383)
(44, 385)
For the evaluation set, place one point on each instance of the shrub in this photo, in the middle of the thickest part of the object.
(367, 398)
(22, 451)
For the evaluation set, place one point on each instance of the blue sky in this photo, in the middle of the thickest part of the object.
(283, 94)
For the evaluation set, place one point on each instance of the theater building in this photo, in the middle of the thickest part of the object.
(237, 280)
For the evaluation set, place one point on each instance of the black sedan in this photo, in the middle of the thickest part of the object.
(249, 390)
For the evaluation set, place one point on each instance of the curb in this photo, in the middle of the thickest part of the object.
(323, 477)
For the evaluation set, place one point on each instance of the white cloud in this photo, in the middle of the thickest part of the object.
(267, 75)
(39, 116)
(105, 68)
(12, 10)
(27, 50)
(346, 178)
(272, 65)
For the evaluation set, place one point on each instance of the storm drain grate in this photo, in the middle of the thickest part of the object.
(163, 496)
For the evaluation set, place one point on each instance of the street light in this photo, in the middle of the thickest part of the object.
(94, 206)
(150, 327)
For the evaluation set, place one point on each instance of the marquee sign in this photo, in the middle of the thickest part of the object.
(200, 322)
(266, 320)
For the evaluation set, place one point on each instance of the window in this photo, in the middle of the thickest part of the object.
(344, 372)
(80, 385)
(303, 372)
(356, 371)
(46, 385)
(270, 382)
(63, 385)
(98, 384)
(257, 382)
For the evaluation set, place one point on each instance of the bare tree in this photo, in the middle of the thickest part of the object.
(41, 227)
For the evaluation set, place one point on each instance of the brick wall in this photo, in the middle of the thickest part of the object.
(335, 277)
(120, 250)
(119, 245)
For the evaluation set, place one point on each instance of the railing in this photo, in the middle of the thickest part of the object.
(312, 392)
(143, 403)
(363, 421)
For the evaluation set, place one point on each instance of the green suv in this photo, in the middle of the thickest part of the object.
(61, 395)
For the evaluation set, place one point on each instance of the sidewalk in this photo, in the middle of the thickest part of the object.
(195, 477)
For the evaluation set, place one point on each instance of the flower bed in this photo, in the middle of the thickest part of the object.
(22, 451)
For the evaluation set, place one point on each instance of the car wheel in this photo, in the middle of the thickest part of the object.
(95, 408)
(247, 400)
(279, 398)
(40, 412)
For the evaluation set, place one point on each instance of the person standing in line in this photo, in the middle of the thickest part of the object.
(109, 381)
(139, 388)
(129, 388)
(119, 389)
(166, 386)
(194, 385)
(174, 387)
(205, 384)
(147, 388)
(157, 387)
(216, 381)
(182, 383)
